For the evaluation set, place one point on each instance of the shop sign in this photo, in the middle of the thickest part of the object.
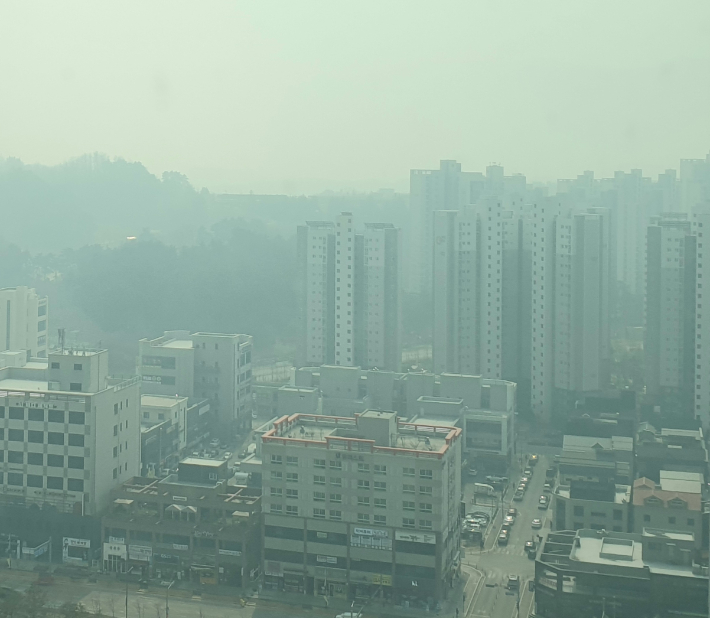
(207, 535)
(167, 558)
(140, 552)
(274, 569)
(327, 559)
(116, 539)
(386, 580)
(415, 537)
(230, 552)
(179, 499)
(370, 532)
(69, 542)
(77, 545)
(114, 549)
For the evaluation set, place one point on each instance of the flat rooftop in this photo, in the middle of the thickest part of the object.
(207, 463)
(622, 495)
(159, 401)
(615, 443)
(181, 344)
(12, 384)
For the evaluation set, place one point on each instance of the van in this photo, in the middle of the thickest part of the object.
(482, 488)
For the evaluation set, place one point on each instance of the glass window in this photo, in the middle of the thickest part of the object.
(319, 496)
(409, 489)
(336, 498)
(336, 482)
(276, 508)
(55, 416)
(363, 501)
(75, 485)
(336, 465)
(408, 506)
(35, 459)
(408, 523)
(380, 503)
(15, 457)
(425, 507)
(292, 477)
(291, 460)
(276, 476)
(276, 459)
(319, 463)
(276, 491)
(291, 509)
(35, 437)
(54, 437)
(292, 493)
(363, 484)
(425, 524)
(55, 461)
(14, 478)
(380, 520)
(363, 467)
(35, 415)
(380, 486)
(16, 435)
(380, 469)
(363, 518)
(76, 439)
(319, 480)
(336, 515)
(76, 462)
(319, 513)
(17, 413)
(35, 480)
(76, 418)
(426, 474)
(408, 471)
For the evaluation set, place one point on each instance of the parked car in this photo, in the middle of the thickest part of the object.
(512, 511)
(513, 582)
(509, 519)
(518, 496)
(503, 537)
(533, 460)
(528, 472)
(536, 523)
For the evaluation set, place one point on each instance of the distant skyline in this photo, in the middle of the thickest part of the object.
(301, 97)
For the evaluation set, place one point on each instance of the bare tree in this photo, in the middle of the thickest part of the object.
(96, 606)
(158, 611)
(112, 605)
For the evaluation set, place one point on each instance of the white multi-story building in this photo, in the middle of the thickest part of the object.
(69, 432)
(211, 366)
(350, 294)
(669, 346)
(701, 225)
(23, 321)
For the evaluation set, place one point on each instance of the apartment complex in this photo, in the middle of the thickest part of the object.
(212, 366)
(364, 506)
(192, 526)
(350, 294)
(23, 322)
(70, 433)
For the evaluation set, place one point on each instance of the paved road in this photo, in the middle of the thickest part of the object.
(496, 562)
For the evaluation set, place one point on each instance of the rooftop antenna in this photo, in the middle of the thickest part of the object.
(62, 339)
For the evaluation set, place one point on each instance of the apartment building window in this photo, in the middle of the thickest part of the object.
(17, 414)
(276, 476)
(425, 524)
(36, 437)
(426, 507)
(336, 465)
(115, 427)
(76, 439)
(380, 469)
(56, 416)
(319, 480)
(75, 387)
(426, 474)
(319, 496)
(336, 515)
(363, 518)
(54, 437)
(319, 513)
(597, 514)
(319, 463)
(277, 492)
(35, 415)
(380, 520)
(363, 467)
(336, 498)
(292, 477)
(115, 451)
(291, 509)
(16, 435)
(408, 471)
(363, 501)
(336, 482)
(408, 523)
(292, 493)
(115, 475)
(409, 489)
(276, 508)
(363, 484)
(408, 506)
(75, 485)
(78, 418)
(291, 460)
(35, 459)
(14, 478)
(15, 457)
(427, 491)
(380, 486)
(34, 480)
(55, 482)
(380, 503)
(276, 459)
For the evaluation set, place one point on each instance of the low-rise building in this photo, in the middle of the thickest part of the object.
(592, 505)
(590, 573)
(598, 459)
(682, 450)
(362, 506)
(193, 525)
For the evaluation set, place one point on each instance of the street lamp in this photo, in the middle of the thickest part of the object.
(167, 609)
(128, 572)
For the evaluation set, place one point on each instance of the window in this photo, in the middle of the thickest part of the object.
(380, 520)
(35, 459)
(15, 457)
(336, 465)
(276, 508)
(277, 492)
(76, 439)
(380, 503)
(54, 437)
(425, 524)
(55, 365)
(380, 469)
(408, 471)
(34, 480)
(55, 461)
(427, 491)
(115, 473)
(276, 459)
(363, 518)
(75, 387)
(646, 518)
(409, 489)
(336, 498)
(319, 513)
(319, 480)
(77, 366)
(292, 477)
(55, 482)
(292, 493)
(17, 413)
(336, 515)
(336, 481)
(319, 496)
(319, 463)
(291, 460)
(291, 509)
(579, 511)
(14, 478)
(276, 476)
(362, 484)
(16, 435)
(363, 467)
(36, 437)
(408, 523)
(425, 507)
(363, 501)
(76, 418)
(408, 506)
(380, 486)
(35, 415)
(426, 474)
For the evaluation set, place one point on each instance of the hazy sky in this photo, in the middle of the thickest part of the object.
(302, 95)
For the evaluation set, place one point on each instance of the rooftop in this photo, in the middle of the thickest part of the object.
(645, 489)
(159, 401)
(178, 343)
(12, 384)
(615, 443)
(206, 463)
(622, 495)
(688, 482)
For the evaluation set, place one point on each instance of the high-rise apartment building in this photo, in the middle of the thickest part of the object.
(701, 226)
(211, 366)
(357, 507)
(23, 321)
(694, 184)
(669, 346)
(71, 432)
(350, 294)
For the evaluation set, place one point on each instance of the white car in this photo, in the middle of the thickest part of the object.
(227, 455)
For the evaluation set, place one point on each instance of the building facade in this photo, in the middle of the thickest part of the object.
(24, 321)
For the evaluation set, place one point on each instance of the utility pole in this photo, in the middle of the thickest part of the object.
(128, 572)
(167, 609)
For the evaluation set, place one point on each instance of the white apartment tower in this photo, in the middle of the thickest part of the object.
(350, 294)
(701, 225)
(23, 321)
(669, 346)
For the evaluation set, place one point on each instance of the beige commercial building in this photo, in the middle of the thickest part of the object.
(23, 322)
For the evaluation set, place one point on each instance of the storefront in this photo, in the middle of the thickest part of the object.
(273, 575)
(114, 557)
(76, 551)
(167, 567)
(139, 558)
(230, 567)
(294, 582)
(205, 574)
